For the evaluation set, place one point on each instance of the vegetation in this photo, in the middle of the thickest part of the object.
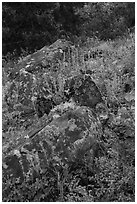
(105, 48)
(30, 25)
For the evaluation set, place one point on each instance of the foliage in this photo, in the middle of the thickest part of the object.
(106, 20)
(32, 25)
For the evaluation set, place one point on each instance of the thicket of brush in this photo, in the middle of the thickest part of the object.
(32, 25)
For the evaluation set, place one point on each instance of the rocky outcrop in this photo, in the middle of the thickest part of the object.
(71, 113)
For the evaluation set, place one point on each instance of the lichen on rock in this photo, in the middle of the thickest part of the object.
(67, 139)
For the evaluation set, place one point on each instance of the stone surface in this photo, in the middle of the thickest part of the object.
(44, 105)
(36, 74)
(35, 83)
(83, 90)
(70, 137)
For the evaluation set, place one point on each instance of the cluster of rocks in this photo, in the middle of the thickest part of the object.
(74, 121)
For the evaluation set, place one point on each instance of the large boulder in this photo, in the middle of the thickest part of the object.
(71, 137)
(45, 58)
(36, 74)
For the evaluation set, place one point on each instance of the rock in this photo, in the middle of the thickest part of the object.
(70, 137)
(32, 83)
(44, 105)
(130, 96)
(44, 58)
(83, 90)
(35, 74)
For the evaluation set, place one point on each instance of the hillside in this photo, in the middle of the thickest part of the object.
(85, 93)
